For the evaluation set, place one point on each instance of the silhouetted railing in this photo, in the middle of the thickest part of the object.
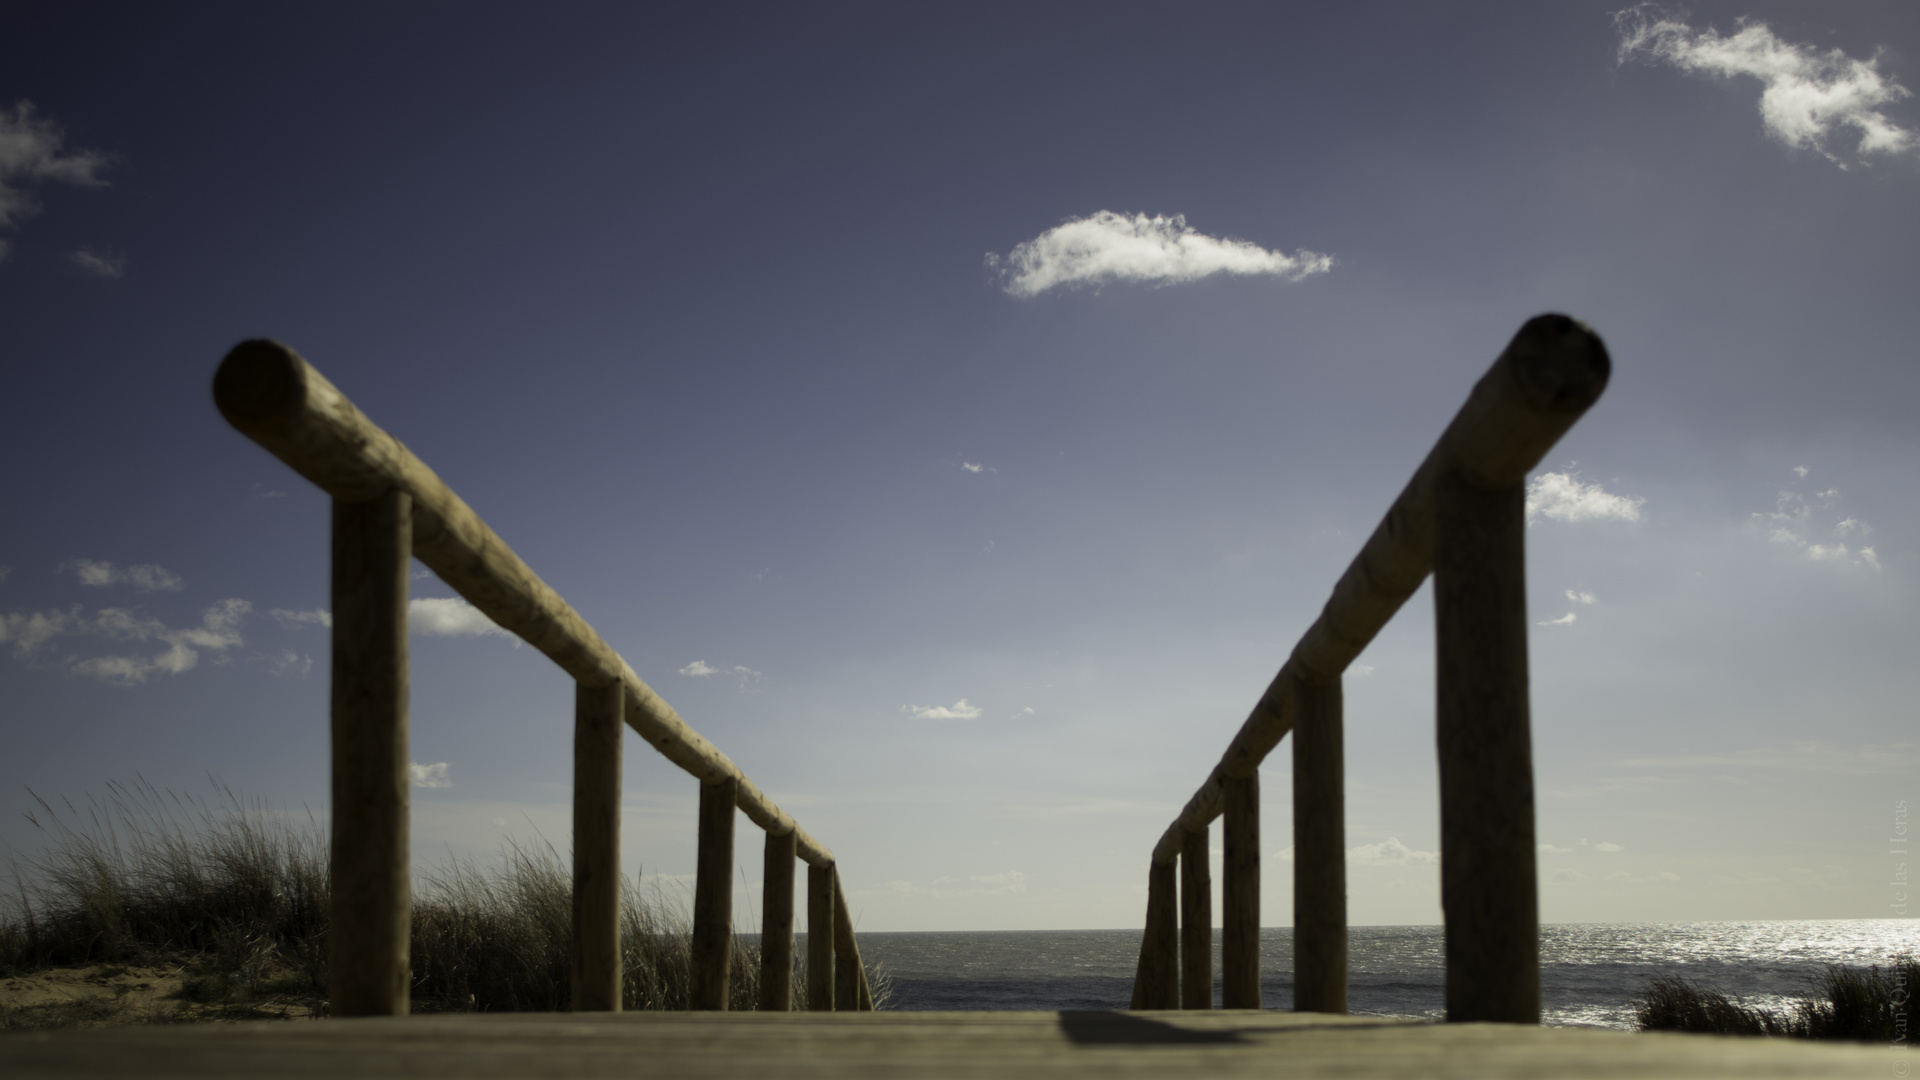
(388, 507)
(1462, 517)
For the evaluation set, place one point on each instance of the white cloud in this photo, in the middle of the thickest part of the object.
(960, 711)
(29, 631)
(1560, 496)
(1361, 670)
(740, 673)
(1028, 711)
(450, 616)
(1565, 620)
(145, 577)
(973, 468)
(4, 571)
(30, 151)
(1801, 471)
(1607, 846)
(429, 776)
(1582, 597)
(1105, 247)
(99, 263)
(295, 620)
(1807, 98)
(1566, 876)
(1549, 849)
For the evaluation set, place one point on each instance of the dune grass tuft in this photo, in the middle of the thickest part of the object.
(232, 897)
(1868, 1005)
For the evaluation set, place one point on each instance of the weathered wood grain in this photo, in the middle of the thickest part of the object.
(372, 893)
(776, 925)
(850, 989)
(1552, 371)
(712, 960)
(1156, 982)
(1489, 893)
(597, 720)
(1196, 924)
(1240, 895)
(1319, 850)
(822, 885)
(277, 399)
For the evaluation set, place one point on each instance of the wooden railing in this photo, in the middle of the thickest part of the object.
(1462, 517)
(389, 507)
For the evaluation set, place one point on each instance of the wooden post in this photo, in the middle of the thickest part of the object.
(776, 926)
(850, 990)
(368, 971)
(1488, 892)
(712, 957)
(1319, 850)
(1240, 909)
(1196, 923)
(820, 896)
(597, 720)
(1156, 982)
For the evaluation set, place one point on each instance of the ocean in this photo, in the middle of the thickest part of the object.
(1590, 974)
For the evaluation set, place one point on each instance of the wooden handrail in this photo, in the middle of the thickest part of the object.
(1552, 371)
(389, 506)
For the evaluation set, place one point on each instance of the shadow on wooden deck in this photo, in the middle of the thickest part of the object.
(1000, 1045)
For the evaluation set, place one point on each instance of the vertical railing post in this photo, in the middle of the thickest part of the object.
(372, 897)
(1156, 982)
(1488, 892)
(1240, 894)
(598, 716)
(850, 990)
(776, 925)
(1196, 923)
(1319, 850)
(820, 890)
(712, 958)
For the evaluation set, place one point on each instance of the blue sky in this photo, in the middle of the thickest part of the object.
(959, 413)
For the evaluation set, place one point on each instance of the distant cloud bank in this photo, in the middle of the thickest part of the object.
(1105, 247)
(219, 631)
(1807, 98)
(960, 710)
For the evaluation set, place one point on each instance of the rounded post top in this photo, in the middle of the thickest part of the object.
(1559, 363)
(259, 380)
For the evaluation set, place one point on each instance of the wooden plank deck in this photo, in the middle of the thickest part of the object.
(999, 1045)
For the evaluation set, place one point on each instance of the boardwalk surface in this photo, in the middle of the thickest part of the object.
(1002, 1045)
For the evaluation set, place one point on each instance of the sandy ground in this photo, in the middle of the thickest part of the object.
(131, 994)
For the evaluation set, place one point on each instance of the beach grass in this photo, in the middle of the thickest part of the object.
(1860, 1004)
(223, 901)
